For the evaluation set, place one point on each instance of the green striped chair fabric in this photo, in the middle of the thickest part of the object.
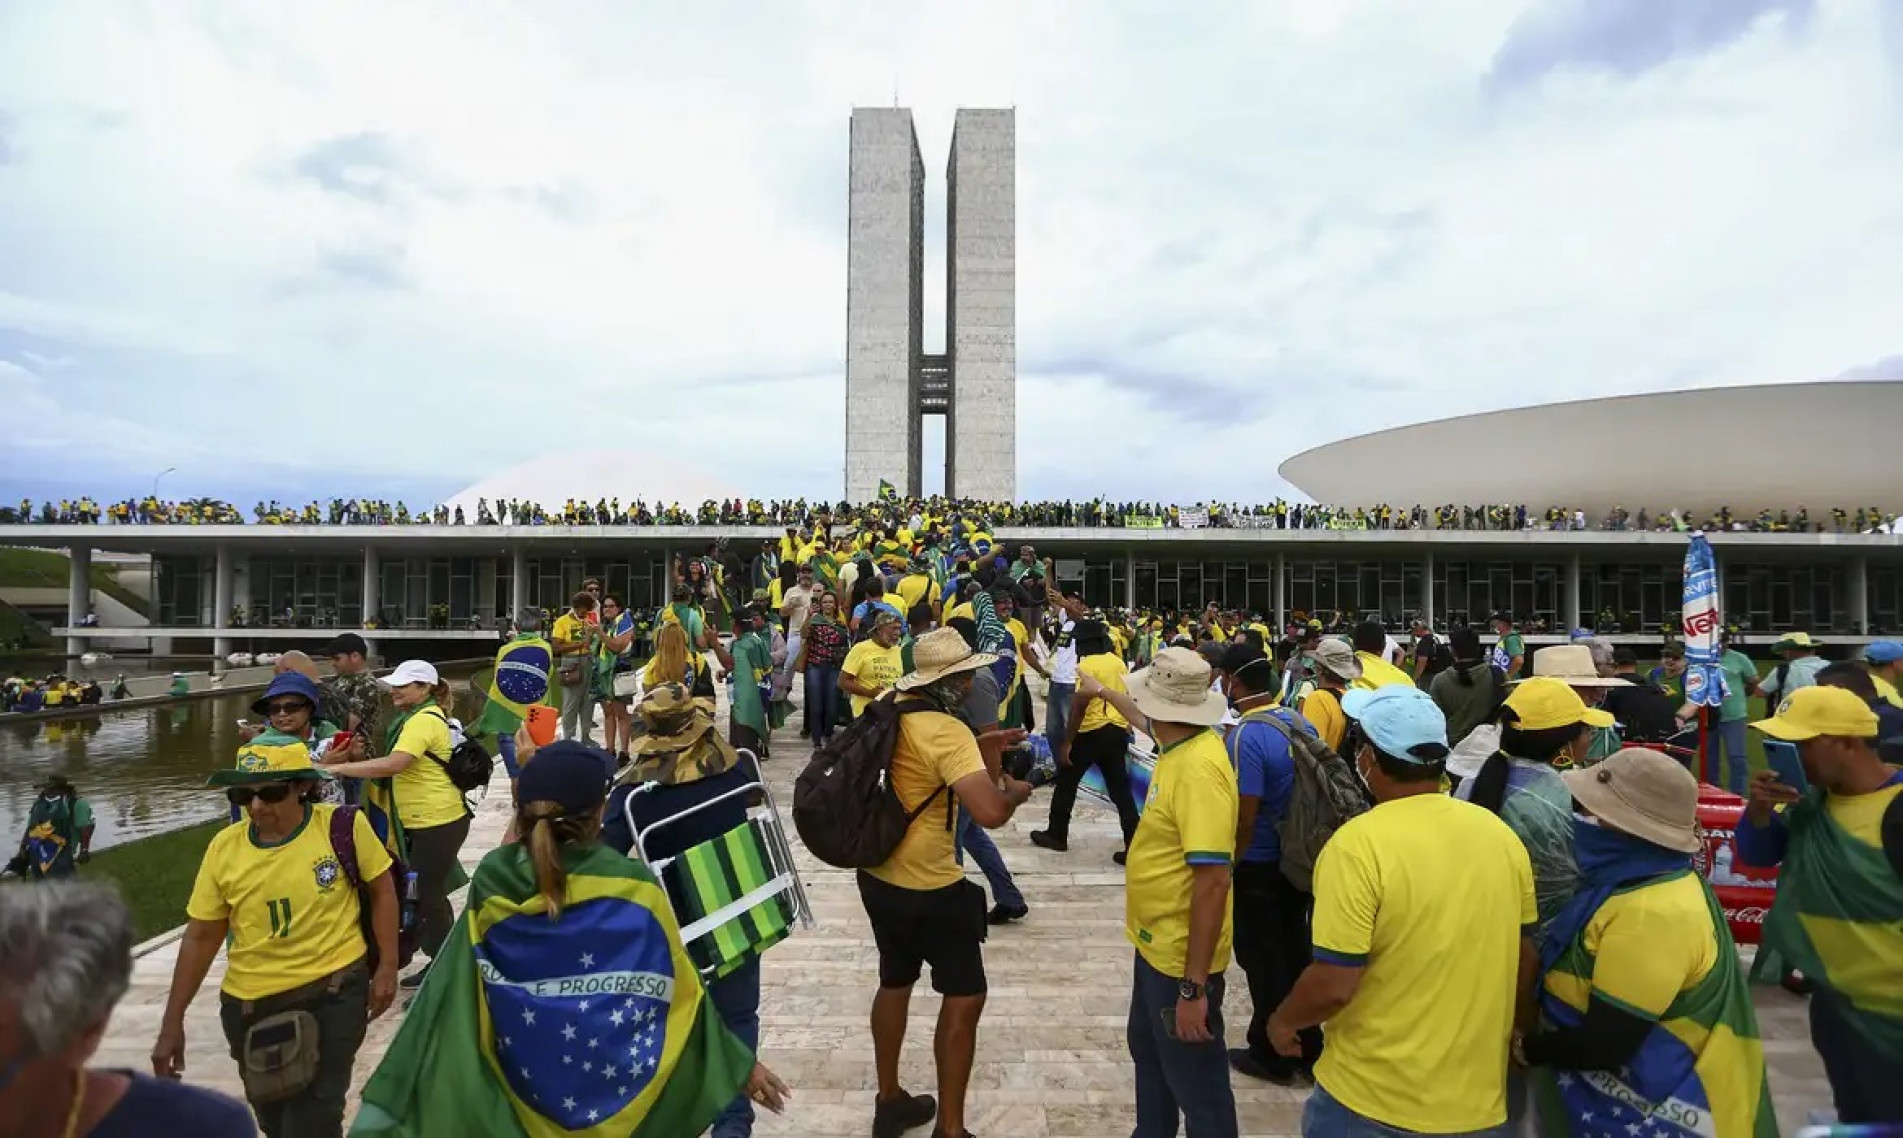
(733, 906)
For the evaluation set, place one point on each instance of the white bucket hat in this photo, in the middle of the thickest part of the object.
(1572, 665)
(1175, 689)
(940, 653)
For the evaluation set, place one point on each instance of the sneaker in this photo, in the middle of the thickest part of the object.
(1119, 856)
(414, 980)
(1000, 915)
(1042, 839)
(894, 1117)
(1246, 1064)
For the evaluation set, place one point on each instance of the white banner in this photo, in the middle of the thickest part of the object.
(1192, 519)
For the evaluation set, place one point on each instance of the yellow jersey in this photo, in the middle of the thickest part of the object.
(424, 795)
(1189, 821)
(293, 917)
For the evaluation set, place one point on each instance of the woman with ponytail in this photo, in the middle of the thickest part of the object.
(560, 931)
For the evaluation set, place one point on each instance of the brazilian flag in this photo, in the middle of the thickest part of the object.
(591, 1024)
(520, 681)
(887, 491)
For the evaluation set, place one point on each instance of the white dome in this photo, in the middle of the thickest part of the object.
(628, 475)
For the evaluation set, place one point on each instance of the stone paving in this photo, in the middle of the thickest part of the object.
(1051, 1056)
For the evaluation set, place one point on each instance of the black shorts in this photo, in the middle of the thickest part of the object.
(916, 927)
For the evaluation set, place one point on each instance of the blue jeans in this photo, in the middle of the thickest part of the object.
(736, 997)
(1057, 709)
(975, 840)
(1325, 1117)
(1731, 735)
(822, 699)
(505, 750)
(1176, 1082)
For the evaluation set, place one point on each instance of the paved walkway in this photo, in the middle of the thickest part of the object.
(1051, 1056)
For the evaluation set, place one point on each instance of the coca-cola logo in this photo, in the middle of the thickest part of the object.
(1753, 915)
(1703, 623)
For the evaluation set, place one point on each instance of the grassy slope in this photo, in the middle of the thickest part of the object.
(39, 569)
(155, 874)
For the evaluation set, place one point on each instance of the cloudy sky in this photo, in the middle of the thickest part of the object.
(306, 249)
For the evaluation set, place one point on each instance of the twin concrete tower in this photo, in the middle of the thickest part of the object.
(892, 383)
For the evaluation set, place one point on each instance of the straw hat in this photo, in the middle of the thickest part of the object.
(1644, 793)
(939, 653)
(1573, 665)
(1175, 689)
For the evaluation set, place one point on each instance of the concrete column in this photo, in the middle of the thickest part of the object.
(1279, 590)
(518, 583)
(1427, 588)
(1859, 581)
(1569, 596)
(1130, 579)
(372, 582)
(221, 646)
(79, 595)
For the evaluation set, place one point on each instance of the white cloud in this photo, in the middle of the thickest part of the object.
(1243, 229)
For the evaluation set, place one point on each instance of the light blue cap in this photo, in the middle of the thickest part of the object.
(1398, 719)
(1884, 651)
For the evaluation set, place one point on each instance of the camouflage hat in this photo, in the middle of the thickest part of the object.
(682, 744)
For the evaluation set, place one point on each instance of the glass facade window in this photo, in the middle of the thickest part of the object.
(179, 581)
(1788, 598)
(1630, 598)
(1468, 592)
(1388, 591)
(642, 579)
(305, 592)
(1885, 600)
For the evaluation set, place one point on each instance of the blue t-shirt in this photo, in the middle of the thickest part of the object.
(161, 1106)
(866, 608)
(1266, 770)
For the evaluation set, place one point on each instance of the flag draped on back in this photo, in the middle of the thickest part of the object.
(521, 680)
(593, 1024)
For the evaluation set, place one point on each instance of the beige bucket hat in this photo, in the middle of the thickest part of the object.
(1338, 657)
(939, 653)
(1175, 689)
(1644, 793)
(1573, 664)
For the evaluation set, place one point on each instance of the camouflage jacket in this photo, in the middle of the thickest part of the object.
(357, 695)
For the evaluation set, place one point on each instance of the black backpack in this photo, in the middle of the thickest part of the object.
(469, 765)
(844, 804)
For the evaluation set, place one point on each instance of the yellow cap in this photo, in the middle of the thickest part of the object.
(1543, 702)
(1809, 712)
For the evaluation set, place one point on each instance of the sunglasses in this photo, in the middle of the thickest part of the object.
(287, 707)
(271, 793)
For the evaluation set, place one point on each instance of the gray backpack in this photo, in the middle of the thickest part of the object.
(1327, 792)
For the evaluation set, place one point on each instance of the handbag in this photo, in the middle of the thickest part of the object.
(279, 1057)
(626, 684)
(570, 674)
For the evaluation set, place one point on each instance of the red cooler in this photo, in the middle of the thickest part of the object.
(1744, 891)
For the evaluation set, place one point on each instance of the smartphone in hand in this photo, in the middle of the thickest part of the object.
(1784, 762)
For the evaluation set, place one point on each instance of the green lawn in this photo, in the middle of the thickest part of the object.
(154, 875)
(40, 569)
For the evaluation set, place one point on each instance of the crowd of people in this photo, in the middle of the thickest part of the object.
(916, 513)
(1457, 874)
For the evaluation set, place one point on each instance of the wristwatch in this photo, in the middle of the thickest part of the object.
(1189, 990)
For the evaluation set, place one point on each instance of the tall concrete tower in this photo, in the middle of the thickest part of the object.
(981, 307)
(885, 303)
(891, 383)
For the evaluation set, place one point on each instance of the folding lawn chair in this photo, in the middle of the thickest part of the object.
(735, 895)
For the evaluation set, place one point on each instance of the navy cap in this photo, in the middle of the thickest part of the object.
(572, 775)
